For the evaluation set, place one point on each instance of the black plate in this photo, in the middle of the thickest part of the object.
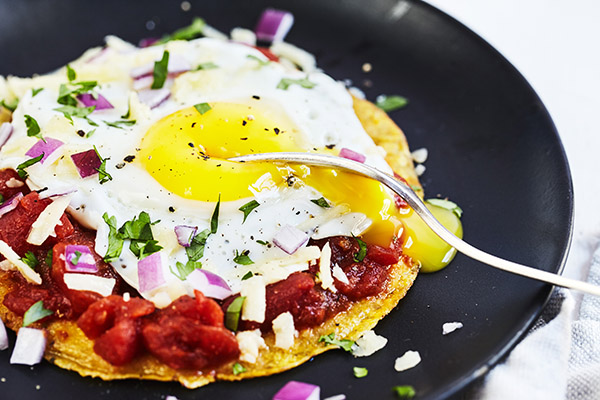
(493, 149)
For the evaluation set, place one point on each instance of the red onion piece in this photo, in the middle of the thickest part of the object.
(150, 273)
(85, 259)
(294, 390)
(211, 285)
(352, 155)
(185, 234)
(10, 204)
(87, 162)
(29, 347)
(147, 42)
(154, 98)
(177, 65)
(3, 337)
(274, 25)
(88, 100)
(57, 192)
(46, 146)
(290, 239)
(143, 83)
(6, 130)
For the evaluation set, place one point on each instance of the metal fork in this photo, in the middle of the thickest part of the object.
(404, 191)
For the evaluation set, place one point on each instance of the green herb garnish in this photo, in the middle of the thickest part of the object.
(120, 124)
(128, 114)
(202, 108)
(264, 243)
(103, 176)
(285, 83)
(21, 167)
(139, 231)
(232, 315)
(31, 260)
(207, 65)
(75, 260)
(344, 343)
(33, 129)
(71, 75)
(161, 70)
(115, 241)
(196, 249)
(260, 61)
(248, 207)
(362, 250)
(360, 372)
(90, 133)
(214, 220)
(183, 270)
(390, 103)
(71, 111)
(10, 106)
(448, 205)
(404, 392)
(242, 258)
(67, 94)
(187, 33)
(321, 202)
(34, 92)
(248, 275)
(1, 199)
(238, 368)
(49, 257)
(35, 313)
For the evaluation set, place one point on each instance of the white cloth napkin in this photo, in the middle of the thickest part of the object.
(560, 356)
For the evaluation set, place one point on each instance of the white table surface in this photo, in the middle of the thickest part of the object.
(555, 44)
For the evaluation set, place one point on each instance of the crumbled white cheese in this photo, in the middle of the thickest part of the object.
(44, 225)
(325, 269)
(126, 297)
(339, 274)
(161, 299)
(450, 327)
(92, 283)
(14, 183)
(6, 265)
(283, 327)
(336, 397)
(409, 360)
(250, 342)
(420, 155)
(302, 58)
(255, 305)
(242, 35)
(368, 343)
(13, 258)
(420, 169)
(276, 270)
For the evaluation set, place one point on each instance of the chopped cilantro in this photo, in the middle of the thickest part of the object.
(21, 167)
(248, 207)
(248, 275)
(362, 250)
(115, 241)
(416, 188)
(330, 339)
(214, 220)
(232, 315)
(49, 257)
(207, 65)
(30, 259)
(238, 368)
(360, 372)
(71, 111)
(1, 199)
(196, 249)
(90, 133)
(120, 124)
(448, 205)
(390, 103)
(187, 33)
(404, 392)
(71, 75)
(161, 70)
(10, 106)
(67, 94)
(264, 243)
(202, 108)
(242, 258)
(103, 176)
(260, 61)
(139, 232)
(285, 83)
(144, 249)
(35, 313)
(34, 92)
(128, 114)
(75, 260)
(321, 202)
(33, 129)
(183, 270)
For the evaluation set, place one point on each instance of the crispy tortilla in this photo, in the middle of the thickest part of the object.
(69, 348)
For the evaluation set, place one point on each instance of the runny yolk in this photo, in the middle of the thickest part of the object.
(187, 151)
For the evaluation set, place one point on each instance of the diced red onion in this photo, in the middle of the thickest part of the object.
(3, 337)
(185, 234)
(274, 25)
(57, 192)
(46, 146)
(6, 130)
(86, 261)
(87, 162)
(150, 273)
(99, 56)
(154, 98)
(177, 65)
(29, 347)
(143, 83)
(88, 100)
(290, 239)
(10, 204)
(294, 390)
(147, 42)
(211, 285)
(352, 155)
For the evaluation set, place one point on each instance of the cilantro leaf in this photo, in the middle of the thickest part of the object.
(49, 258)
(247, 275)
(75, 260)
(1, 199)
(189, 32)
(30, 259)
(183, 270)
(139, 228)
(260, 61)
(196, 249)
(214, 220)
(232, 315)
(264, 243)
(115, 242)
(360, 372)
(35, 313)
(120, 124)
(34, 92)
(330, 339)
(67, 95)
(21, 167)
(33, 129)
(285, 83)
(248, 207)
(103, 176)
(71, 111)
(128, 114)
(390, 103)
(242, 258)
(206, 65)
(202, 108)
(238, 368)
(161, 70)
(321, 202)
(144, 249)
(362, 250)
(71, 75)
(447, 204)
(404, 392)
(10, 106)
